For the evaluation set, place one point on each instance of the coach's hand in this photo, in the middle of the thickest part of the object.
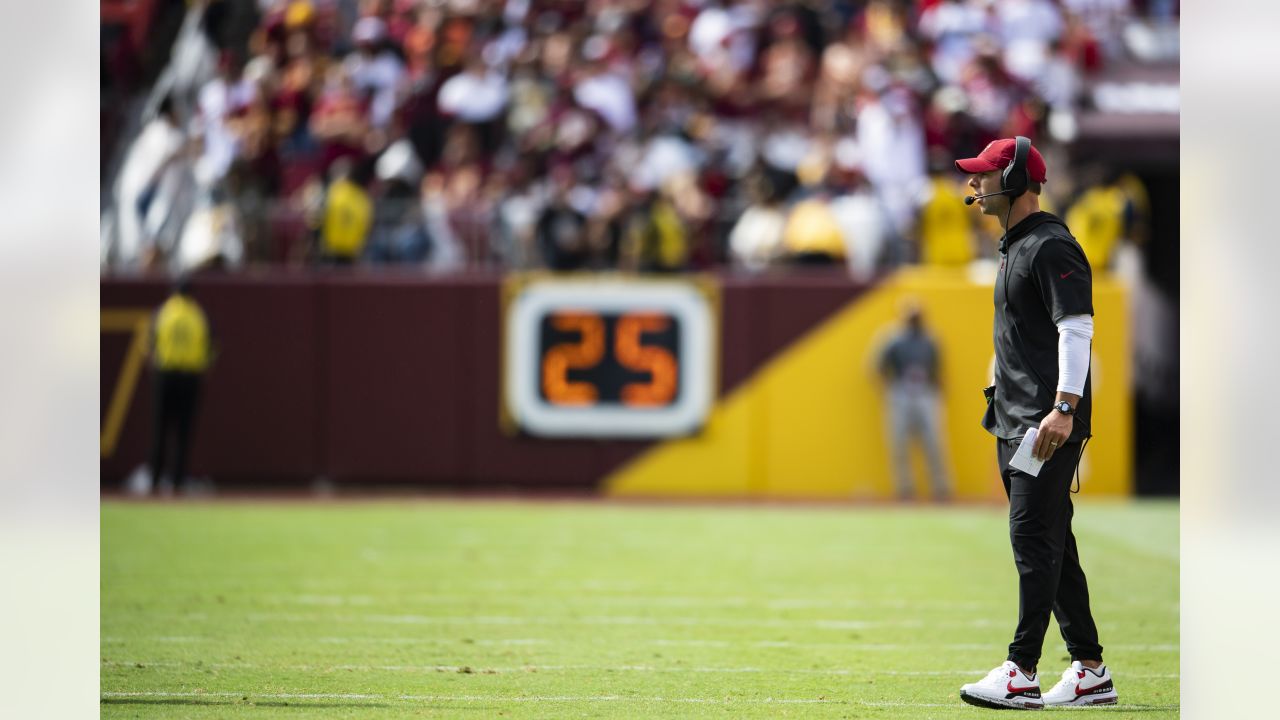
(1053, 434)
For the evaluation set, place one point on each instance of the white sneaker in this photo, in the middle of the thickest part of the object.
(1004, 687)
(1082, 686)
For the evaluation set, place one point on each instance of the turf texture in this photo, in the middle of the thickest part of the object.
(480, 609)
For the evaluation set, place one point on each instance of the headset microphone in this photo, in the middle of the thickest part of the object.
(970, 199)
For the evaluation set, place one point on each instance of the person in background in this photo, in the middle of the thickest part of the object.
(946, 227)
(863, 219)
(150, 172)
(756, 239)
(181, 351)
(1098, 218)
(909, 366)
(812, 234)
(561, 230)
(348, 215)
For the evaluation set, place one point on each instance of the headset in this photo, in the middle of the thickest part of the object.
(1015, 180)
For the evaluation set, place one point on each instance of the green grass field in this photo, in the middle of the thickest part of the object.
(471, 609)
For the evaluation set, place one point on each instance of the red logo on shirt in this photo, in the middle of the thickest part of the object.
(1064, 275)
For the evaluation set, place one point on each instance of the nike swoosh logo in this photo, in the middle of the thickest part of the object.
(1101, 687)
(1016, 690)
(1064, 275)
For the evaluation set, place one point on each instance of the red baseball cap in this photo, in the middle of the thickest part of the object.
(998, 154)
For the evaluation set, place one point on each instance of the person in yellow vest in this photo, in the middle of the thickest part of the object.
(812, 234)
(1098, 220)
(181, 352)
(946, 224)
(348, 215)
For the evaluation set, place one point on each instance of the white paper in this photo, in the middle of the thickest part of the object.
(1023, 459)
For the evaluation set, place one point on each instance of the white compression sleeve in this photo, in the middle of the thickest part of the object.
(1075, 335)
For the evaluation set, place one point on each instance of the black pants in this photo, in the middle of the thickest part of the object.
(1044, 550)
(174, 409)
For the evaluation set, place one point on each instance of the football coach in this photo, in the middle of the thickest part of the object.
(1043, 332)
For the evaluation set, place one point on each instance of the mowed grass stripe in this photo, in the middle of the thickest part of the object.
(845, 605)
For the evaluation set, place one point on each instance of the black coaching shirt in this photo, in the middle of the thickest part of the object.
(1044, 276)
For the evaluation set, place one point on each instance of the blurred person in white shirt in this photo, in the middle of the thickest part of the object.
(756, 239)
(861, 215)
(952, 26)
(219, 98)
(603, 91)
(891, 138)
(475, 95)
(151, 169)
(1105, 19)
(1026, 28)
(375, 69)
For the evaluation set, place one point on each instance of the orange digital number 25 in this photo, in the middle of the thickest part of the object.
(658, 362)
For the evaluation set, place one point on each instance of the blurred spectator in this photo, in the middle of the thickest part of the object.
(1104, 21)
(181, 351)
(516, 221)
(909, 366)
(1097, 218)
(347, 217)
(151, 171)
(1058, 82)
(445, 253)
(1026, 29)
(475, 95)
(756, 240)
(655, 238)
(893, 156)
(605, 92)
(812, 235)
(562, 229)
(946, 223)
(861, 215)
(375, 70)
(338, 121)
(213, 236)
(953, 26)
(228, 94)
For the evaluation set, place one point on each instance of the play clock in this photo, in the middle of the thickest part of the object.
(608, 357)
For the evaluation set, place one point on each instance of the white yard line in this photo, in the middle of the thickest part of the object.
(479, 669)
(625, 620)
(712, 601)
(637, 598)
(598, 619)
(563, 699)
(344, 640)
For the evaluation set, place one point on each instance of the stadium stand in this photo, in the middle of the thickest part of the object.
(611, 134)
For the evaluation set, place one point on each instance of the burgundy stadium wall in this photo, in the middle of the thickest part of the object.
(361, 377)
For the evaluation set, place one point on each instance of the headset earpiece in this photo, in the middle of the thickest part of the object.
(1014, 179)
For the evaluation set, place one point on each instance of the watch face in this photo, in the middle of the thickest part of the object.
(1064, 407)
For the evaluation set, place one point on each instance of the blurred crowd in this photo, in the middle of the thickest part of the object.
(657, 136)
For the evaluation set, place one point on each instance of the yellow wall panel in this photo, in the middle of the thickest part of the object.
(811, 422)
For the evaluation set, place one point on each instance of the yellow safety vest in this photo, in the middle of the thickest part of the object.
(181, 336)
(348, 213)
(812, 228)
(1097, 221)
(946, 226)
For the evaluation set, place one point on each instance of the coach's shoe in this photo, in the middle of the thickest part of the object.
(1081, 686)
(1004, 688)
